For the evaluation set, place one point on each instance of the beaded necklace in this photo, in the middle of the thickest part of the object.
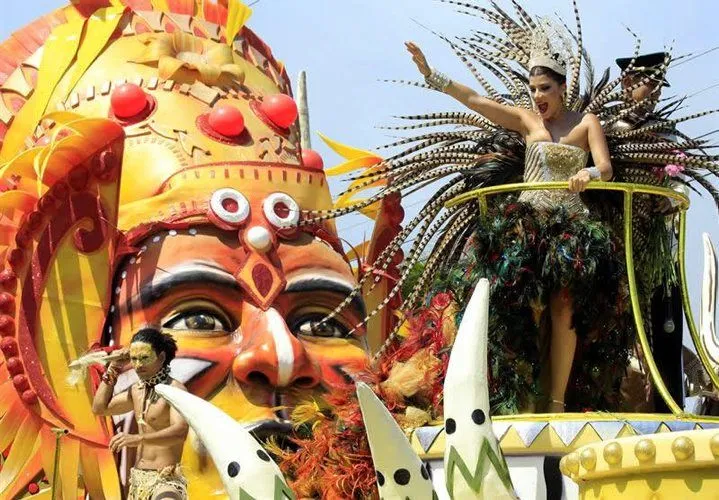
(151, 395)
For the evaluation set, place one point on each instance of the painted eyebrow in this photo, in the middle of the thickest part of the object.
(323, 284)
(204, 273)
(186, 274)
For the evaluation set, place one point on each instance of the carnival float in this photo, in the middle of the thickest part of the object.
(155, 170)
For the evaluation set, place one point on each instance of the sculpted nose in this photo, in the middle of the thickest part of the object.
(271, 354)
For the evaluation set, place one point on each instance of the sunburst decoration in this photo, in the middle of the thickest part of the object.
(47, 190)
(39, 187)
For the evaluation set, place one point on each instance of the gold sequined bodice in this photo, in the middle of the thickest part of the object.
(550, 162)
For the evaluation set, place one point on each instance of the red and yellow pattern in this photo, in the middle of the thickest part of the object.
(110, 223)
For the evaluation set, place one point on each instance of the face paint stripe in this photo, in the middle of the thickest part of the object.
(283, 347)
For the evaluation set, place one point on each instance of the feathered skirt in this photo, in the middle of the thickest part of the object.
(530, 255)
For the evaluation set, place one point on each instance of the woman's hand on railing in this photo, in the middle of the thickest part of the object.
(579, 181)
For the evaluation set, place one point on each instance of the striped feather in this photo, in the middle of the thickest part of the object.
(24, 42)
(706, 184)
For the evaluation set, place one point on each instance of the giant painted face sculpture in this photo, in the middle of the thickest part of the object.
(199, 232)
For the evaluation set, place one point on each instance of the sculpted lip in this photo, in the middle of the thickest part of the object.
(280, 432)
(266, 428)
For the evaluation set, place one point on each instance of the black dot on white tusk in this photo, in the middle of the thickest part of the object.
(380, 478)
(402, 477)
(478, 417)
(233, 469)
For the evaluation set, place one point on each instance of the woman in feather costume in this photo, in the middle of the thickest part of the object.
(555, 263)
(558, 141)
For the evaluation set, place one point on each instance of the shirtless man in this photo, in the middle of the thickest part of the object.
(162, 431)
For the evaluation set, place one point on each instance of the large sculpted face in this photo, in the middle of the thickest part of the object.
(217, 261)
(201, 233)
(246, 359)
(255, 364)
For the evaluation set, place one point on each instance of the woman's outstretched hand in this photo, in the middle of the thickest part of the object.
(418, 58)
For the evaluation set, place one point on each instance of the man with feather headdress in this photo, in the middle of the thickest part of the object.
(654, 235)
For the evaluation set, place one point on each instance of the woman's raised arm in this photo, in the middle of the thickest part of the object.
(509, 117)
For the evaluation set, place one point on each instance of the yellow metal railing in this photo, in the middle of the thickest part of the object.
(481, 195)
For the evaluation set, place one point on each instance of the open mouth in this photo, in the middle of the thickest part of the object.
(278, 429)
(543, 107)
(279, 432)
(263, 429)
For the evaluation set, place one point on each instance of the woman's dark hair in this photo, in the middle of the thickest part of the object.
(160, 342)
(544, 71)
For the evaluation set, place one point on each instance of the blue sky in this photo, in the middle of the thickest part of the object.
(346, 46)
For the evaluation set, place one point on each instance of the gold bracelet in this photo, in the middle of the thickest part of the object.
(437, 80)
(110, 377)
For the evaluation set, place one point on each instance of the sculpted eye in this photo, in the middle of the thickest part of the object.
(198, 320)
(310, 326)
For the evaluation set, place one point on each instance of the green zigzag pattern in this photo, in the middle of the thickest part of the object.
(282, 492)
(487, 458)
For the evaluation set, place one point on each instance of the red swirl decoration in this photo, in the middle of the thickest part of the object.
(77, 208)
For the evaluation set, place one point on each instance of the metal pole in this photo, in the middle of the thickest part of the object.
(58, 434)
(637, 309)
(304, 112)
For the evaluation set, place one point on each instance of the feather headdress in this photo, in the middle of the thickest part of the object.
(549, 48)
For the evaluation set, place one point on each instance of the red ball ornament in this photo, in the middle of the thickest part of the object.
(312, 159)
(29, 397)
(8, 279)
(33, 488)
(14, 366)
(7, 303)
(9, 347)
(226, 120)
(21, 383)
(7, 326)
(128, 100)
(281, 109)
